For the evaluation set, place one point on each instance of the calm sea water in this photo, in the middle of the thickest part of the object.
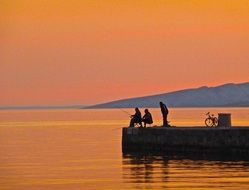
(81, 149)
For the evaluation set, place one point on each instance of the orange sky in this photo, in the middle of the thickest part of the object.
(83, 52)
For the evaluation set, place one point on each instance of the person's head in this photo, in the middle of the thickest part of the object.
(136, 110)
(146, 111)
(161, 103)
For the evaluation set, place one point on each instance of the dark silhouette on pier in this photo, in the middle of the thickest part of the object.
(147, 118)
(165, 112)
(136, 118)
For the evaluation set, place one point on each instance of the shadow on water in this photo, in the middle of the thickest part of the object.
(181, 170)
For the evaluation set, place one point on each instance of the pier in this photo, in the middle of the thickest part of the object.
(222, 139)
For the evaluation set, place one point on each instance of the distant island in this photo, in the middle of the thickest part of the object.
(226, 95)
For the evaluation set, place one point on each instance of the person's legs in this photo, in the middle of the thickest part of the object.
(132, 122)
(146, 121)
(145, 124)
(165, 123)
(135, 120)
(140, 124)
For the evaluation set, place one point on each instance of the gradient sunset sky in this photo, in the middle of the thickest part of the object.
(60, 52)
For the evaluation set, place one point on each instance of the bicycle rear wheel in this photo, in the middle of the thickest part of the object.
(209, 122)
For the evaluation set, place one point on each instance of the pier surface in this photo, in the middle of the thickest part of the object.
(186, 139)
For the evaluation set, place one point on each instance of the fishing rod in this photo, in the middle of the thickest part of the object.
(124, 111)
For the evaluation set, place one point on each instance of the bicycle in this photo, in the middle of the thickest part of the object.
(211, 120)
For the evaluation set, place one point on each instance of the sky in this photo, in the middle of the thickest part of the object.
(60, 52)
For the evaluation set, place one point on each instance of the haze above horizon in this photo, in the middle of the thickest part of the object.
(85, 52)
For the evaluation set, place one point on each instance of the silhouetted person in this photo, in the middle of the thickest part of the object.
(165, 112)
(147, 118)
(136, 118)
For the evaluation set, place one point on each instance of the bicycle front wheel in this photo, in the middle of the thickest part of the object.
(209, 122)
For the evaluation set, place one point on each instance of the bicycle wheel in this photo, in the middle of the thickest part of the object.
(215, 122)
(209, 122)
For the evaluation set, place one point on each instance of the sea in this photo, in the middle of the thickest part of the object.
(76, 149)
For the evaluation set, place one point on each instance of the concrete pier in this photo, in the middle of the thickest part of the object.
(186, 139)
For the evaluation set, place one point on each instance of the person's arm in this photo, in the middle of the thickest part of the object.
(131, 116)
(166, 109)
(145, 116)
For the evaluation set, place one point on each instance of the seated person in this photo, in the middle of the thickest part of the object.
(136, 118)
(147, 118)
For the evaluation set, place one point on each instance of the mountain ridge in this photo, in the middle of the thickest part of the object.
(225, 95)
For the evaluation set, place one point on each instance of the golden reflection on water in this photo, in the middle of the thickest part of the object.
(81, 149)
(188, 172)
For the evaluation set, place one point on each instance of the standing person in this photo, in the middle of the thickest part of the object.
(136, 118)
(165, 112)
(147, 118)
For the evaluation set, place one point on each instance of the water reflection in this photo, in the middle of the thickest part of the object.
(178, 170)
(142, 167)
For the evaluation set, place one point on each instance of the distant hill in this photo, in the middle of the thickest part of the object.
(227, 95)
